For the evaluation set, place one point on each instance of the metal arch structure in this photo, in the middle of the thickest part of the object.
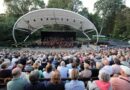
(34, 20)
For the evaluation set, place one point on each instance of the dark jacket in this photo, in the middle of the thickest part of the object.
(35, 86)
(51, 86)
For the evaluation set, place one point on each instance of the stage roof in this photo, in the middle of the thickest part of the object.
(36, 19)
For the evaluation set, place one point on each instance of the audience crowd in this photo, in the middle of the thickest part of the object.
(28, 70)
(56, 42)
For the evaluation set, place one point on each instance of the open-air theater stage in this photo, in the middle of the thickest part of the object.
(38, 19)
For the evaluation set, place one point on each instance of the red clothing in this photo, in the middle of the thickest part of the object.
(118, 83)
(102, 85)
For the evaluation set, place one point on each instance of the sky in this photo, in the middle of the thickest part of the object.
(87, 3)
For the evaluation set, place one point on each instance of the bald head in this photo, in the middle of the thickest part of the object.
(16, 72)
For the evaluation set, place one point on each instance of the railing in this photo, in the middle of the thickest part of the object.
(64, 79)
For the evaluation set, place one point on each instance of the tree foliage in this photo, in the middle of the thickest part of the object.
(73, 5)
(94, 18)
(15, 9)
(108, 9)
(122, 24)
(23, 6)
(58, 4)
(6, 24)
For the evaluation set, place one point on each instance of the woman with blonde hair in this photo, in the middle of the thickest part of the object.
(55, 83)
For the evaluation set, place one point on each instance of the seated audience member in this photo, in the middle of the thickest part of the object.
(95, 71)
(99, 65)
(48, 71)
(69, 65)
(101, 84)
(23, 59)
(86, 73)
(55, 83)
(28, 67)
(63, 70)
(106, 67)
(36, 67)
(4, 72)
(123, 61)
(34, 84)
(121, 82)
(23, 74)
(73, 67)
(14, 60)
(116, 66)
(17, 83)
(75, 84)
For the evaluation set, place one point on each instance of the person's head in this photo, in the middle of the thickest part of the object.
(105, 62)
(29, 62)
(20, 66)
(103, 76)
(70, 60)
(3, 65)
(125, 71)
(55, 77)
(98, 65)
(48, 68)
(62, 63)
(34, 76)
(36, 65)
(122, 58)
(86, 66)
(117, 61)
(73, 65)
(16, 72)
(82, 66)
(74, 74)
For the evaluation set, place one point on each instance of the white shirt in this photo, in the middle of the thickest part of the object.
(46, 74)
(13, 61)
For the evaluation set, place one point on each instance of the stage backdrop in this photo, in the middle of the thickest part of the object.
(45, 34)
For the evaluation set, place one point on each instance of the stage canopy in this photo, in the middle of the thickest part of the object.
(34, 20)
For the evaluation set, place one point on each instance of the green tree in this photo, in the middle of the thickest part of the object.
(58, 4)
(108, 10)
(73, 5)
(84, 12)
(6, 24)
(96, 20)
(122, 24)
(23, 6)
